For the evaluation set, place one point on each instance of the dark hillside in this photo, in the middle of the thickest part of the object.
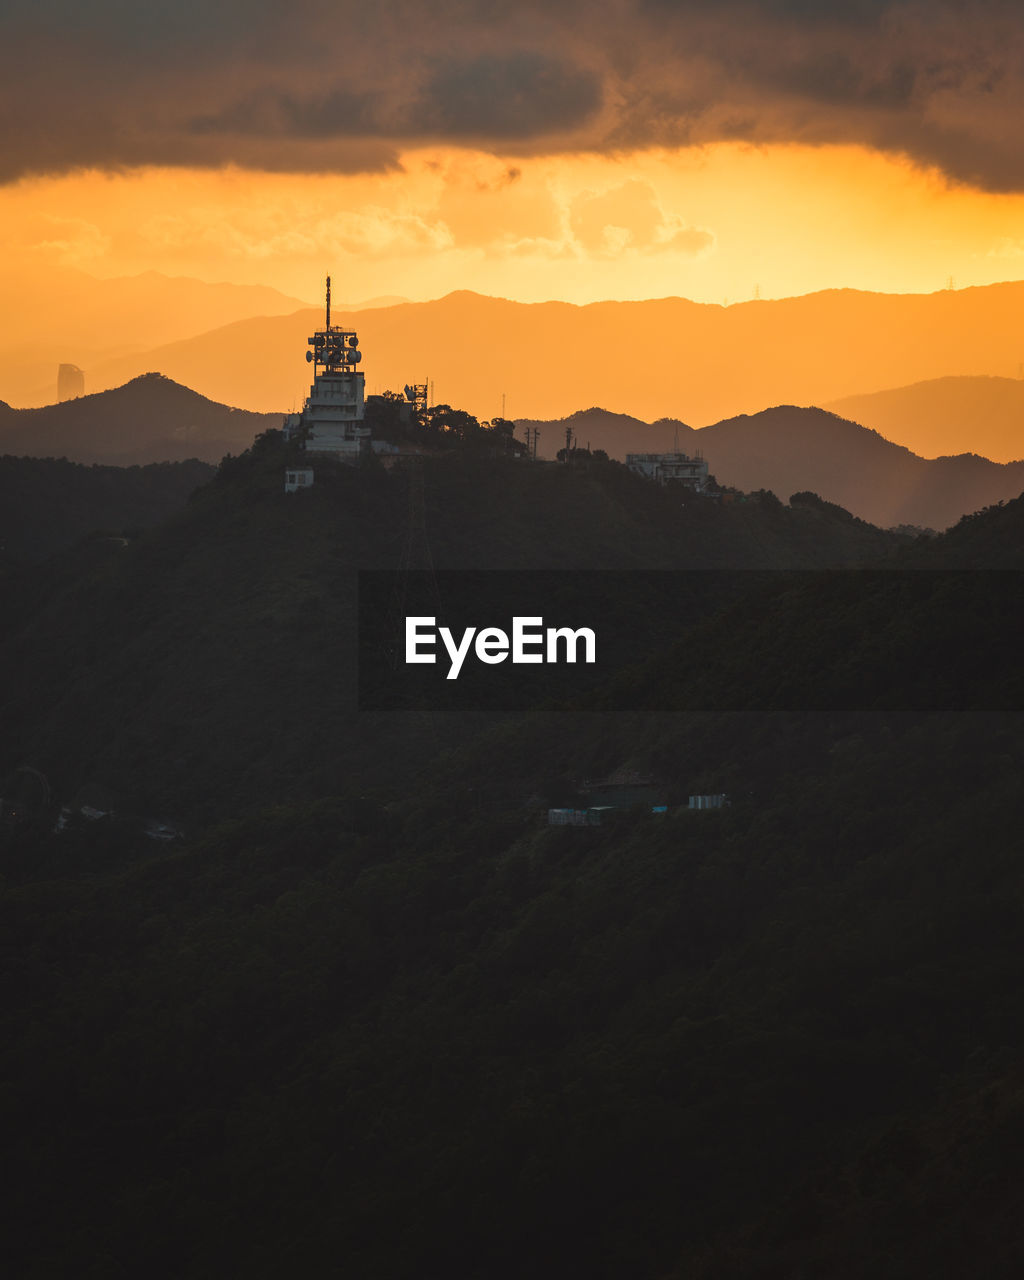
(384, 1019)
(46, 504)
(212, 664)
(539, 1051)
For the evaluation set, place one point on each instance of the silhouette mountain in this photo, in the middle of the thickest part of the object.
(788, 449)
(655, 358)
(946, 416)
(616, 433)
(785, 449)
(150, 419)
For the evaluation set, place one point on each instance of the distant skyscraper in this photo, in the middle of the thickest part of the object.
(70, 382)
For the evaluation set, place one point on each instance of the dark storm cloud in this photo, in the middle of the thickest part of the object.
(497, 97)
(334, 85)
(521, 95)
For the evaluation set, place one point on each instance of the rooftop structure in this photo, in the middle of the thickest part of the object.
(670, 468)
(331, 423)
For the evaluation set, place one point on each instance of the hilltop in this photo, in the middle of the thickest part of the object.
(785, 449)
(149, 419)
(789, 449)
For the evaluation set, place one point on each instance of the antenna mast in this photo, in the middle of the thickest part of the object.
(328, 302)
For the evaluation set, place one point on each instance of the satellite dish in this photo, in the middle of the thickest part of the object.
(309, 356)
(353, 340)
(334, 356)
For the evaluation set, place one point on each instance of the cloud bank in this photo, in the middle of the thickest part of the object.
(329, 86)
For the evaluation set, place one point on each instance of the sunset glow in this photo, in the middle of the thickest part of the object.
(617, 150)
(715, 224)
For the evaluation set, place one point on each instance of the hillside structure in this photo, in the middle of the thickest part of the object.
(297, 479)
(331, 423)
(670, 468)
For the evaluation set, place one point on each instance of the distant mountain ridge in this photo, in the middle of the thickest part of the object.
(150, 419)
(653, 358)
(946, 416)
(789, 449)
(68, 316)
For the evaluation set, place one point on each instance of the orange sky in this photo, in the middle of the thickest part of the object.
(713, 223)
(593, 149)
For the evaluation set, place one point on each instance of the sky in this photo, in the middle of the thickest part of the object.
(578, 151)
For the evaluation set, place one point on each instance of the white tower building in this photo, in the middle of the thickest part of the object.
(331, 423)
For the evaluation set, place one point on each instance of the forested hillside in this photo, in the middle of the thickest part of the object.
(47, 504)
(375, 1015)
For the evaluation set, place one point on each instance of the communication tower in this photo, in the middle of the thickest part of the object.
(331, 422)
(416, 394)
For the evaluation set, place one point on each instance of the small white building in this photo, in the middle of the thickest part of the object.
(296, 478)
(567, 817)
(708, 802)
(670, 468)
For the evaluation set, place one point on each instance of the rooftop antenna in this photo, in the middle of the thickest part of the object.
(328, 302)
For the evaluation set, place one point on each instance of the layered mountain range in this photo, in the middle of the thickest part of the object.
(785, 449)
(789, 449)
(654, 358)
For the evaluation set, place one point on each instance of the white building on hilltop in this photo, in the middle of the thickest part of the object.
(331, 423)
(670, 468)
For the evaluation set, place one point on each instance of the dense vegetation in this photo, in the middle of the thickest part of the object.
(48, 504)
(375, 1016)
(211, 665)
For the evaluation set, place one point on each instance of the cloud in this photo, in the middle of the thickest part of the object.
(72, 241)
(331, 86)
(487, 203)
(630, 217)
(265, 233)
